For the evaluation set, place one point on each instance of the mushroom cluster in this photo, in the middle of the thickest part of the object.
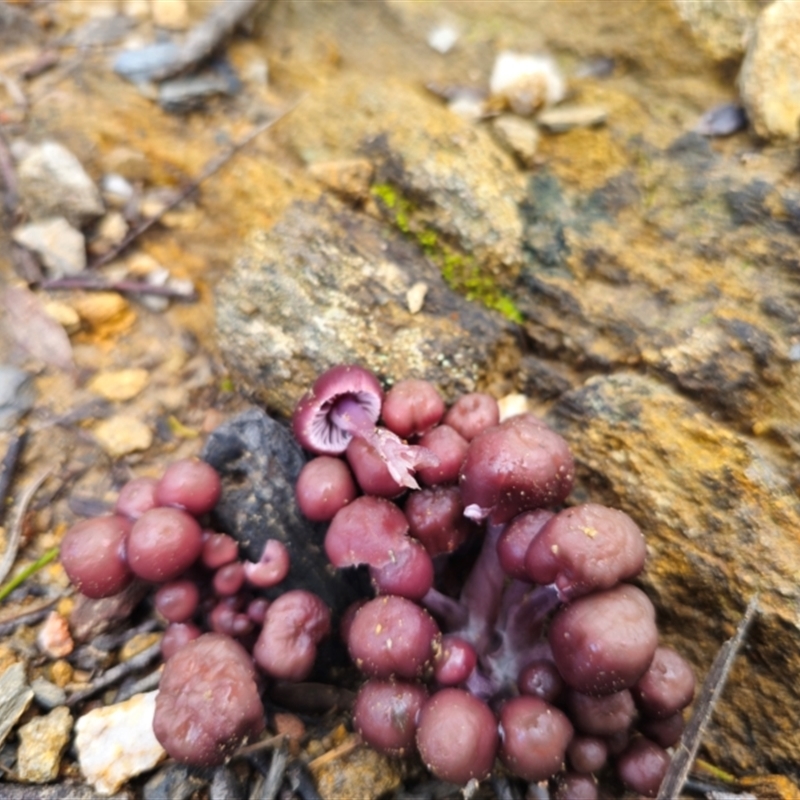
(223, 637)
(545, 655)
(502, 624)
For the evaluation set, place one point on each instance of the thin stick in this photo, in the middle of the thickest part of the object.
(211, 169)
(709, 695)
(9, 176)
(115, 674)
(93, 284)
(346, 747)
(263, 744)
(206, 36)
(15, 529)
(27, 617)
(146, 684)
(7, 467)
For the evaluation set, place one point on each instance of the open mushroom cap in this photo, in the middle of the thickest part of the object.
(312, 423)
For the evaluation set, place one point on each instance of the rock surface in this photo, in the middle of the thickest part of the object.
(720, 29)
(42, 743)
(362, 773)
(15, 697)
(115, 743)
(259, 462)
(770, 76)
(53, 183)
(60, 246)
(328, 286)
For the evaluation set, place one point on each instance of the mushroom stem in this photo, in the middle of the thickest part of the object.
(351, 416)
(401, 459)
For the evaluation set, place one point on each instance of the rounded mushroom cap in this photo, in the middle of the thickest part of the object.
(604, 642)
(93, 554)
(294, 625)
(518, 465)
(534, 737)
(385, 714)
(585, 548)
(312, 424)
(208, 703)
(457, 736)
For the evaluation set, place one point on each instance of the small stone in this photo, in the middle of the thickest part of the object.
(362, 773)
(722, 120)
(111, 230)
(91, 618)
(53, 183)
(171, 14)
(565, 118)
(181, 95)
(415, 297)
(42, 743)
(289, 725)
(100, 308)
(154, 203)
(349, 177)
(61, 672)
(132, 165)
(136, 644)
(141, 64)
(719, 28)
(54, 639)
(119, 385)
(769, 80)
(141, 264)
(136, 9)
(47, 694)
(15, 697)
(468, 105)
(60, 247)
(256, 70)
(526, 83)
(123, 434)
(115, 743)
(518, 136)
(117, 191)
(443, 38)
(65, 315)
(155, 302)
(513, 404)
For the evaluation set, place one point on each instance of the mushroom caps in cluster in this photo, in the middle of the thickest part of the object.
(545, 612)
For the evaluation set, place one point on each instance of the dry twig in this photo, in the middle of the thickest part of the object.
(214, 166)
(27, 617)
(92, 283)
(111, 676)
(709, 695)
(15, 529)
(7, 467)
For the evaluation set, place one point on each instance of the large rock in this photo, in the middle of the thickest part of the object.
(435, 173)
(770, 76)
(721, 524)
(328, 286)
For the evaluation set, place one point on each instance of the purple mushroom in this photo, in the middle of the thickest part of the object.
(385, 714)
(208, 703)
(345, 402)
